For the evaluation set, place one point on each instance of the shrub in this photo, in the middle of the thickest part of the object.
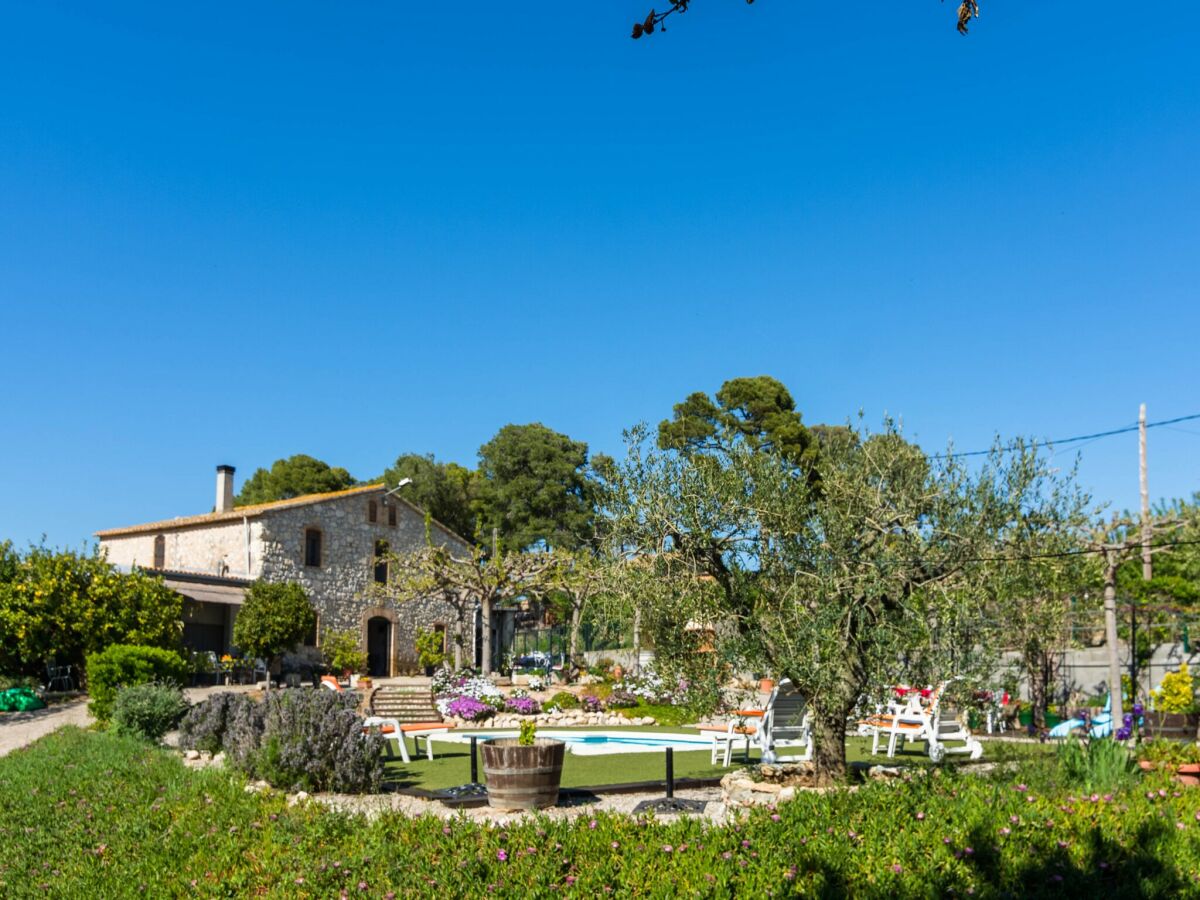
(591, 704)
(525, 706)
(465, 707)
(430, 646)
(124, 665)
(528, 733)
(243, 724)
(564, 700)
(313, 740)
(204, 725)
(1176, 694)
(19, 681)
(620, 700)
(342, 652)
(148, 711)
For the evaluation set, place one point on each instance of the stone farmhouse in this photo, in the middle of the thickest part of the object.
(334, 545)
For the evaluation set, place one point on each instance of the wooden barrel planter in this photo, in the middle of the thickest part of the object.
(1172, 726)
(523, 777)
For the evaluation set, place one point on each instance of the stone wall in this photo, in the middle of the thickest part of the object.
(213, 549)
(343, 588)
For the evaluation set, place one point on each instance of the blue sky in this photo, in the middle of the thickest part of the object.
(233, 232)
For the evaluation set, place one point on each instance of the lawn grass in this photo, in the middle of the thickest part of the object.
(84, 814)
(451, 765)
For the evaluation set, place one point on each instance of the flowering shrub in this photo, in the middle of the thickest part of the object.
(591, 704)
(293, 739)
(313, 740)
(464, 707)
(1177, 693)
(537, 683)
(203, 727)
(525, 706)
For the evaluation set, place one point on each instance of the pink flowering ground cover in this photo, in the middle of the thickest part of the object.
(90, 814)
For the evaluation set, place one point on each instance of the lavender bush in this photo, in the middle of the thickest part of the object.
(313, 740)
(203, 728)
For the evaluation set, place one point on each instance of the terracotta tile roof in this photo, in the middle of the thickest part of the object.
(238, 512)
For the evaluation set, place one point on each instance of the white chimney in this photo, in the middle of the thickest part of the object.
(224, 488)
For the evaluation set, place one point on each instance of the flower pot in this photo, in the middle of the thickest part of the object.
(1025, 717)
(1146, 765)
(1189, 769)
(523, 777)
(1173, 726)
(1052, 719)
(766, 685)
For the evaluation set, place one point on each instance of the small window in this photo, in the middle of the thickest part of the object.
(160, 552)
(392, 516)
(381, 563)
(312, 546)
(372, 511)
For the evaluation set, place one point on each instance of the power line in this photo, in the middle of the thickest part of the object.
(1072, 440)
(1083, 551)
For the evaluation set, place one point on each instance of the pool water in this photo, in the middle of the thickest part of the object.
(596, 743)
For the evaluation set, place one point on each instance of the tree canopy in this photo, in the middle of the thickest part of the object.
(877, 569)
(62, 605)
(758, 411)
(442, 489)
(292, 477)
(534, 485)
(275, 617)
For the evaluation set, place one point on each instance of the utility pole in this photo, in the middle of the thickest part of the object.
(1147, 569)
(1112, 559)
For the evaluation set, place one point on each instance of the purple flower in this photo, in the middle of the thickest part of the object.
(1138, 709)
(501, 855)
(525, 706)
(468, 708)
(1006, 830)
(897, 868)
(667, 848)
(592, 824)
(920, 817)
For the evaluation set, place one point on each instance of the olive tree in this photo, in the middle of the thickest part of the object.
(841, 572)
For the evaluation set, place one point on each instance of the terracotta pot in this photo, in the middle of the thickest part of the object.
(1189, 769)
(1147, 765)
(766, 685)
(1189, 780)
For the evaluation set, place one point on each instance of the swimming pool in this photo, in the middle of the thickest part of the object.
(594, 743)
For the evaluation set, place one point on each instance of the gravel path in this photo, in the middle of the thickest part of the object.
(372, 805)
(21, 728)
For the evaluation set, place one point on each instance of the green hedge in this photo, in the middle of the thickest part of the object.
(123, 665)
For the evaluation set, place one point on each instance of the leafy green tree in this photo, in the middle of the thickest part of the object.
(292, 477)
(534, 485)
(63, 605)
(887, 567)
(758, 411)
(275, 617)
(441, 489)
